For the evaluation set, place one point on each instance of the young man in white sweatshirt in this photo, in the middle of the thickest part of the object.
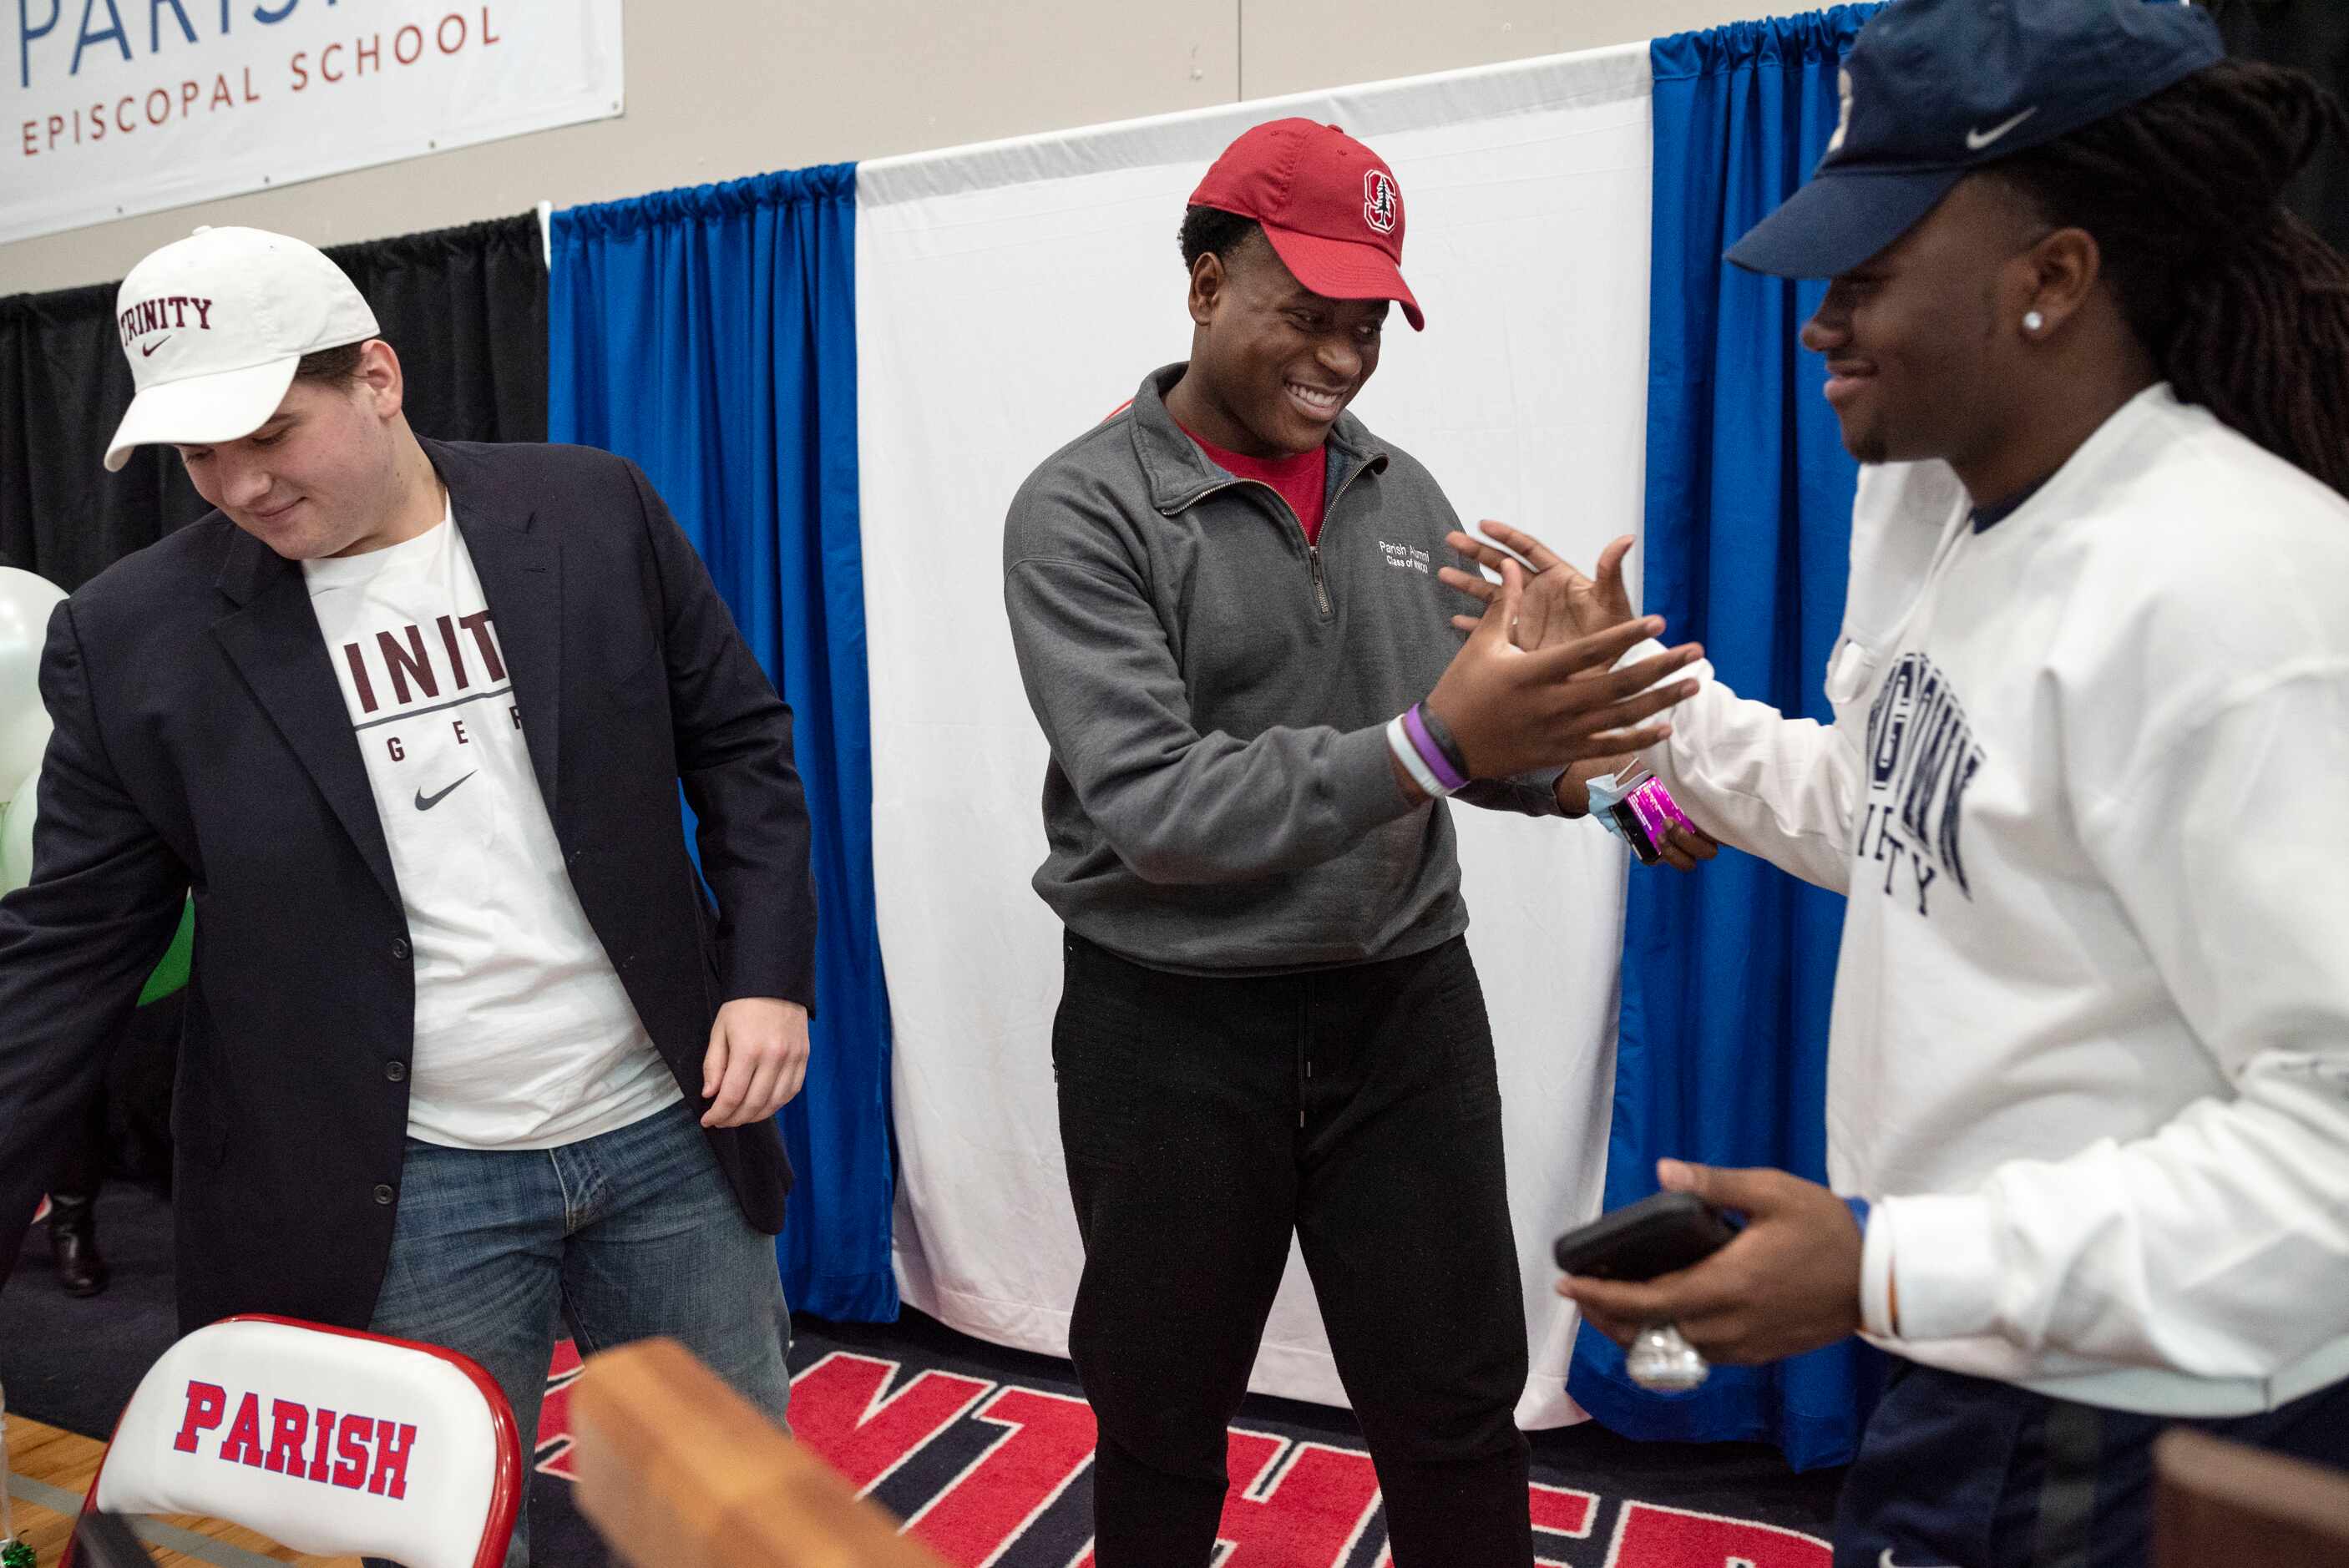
(2089, 1066)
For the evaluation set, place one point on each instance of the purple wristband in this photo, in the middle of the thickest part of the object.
(1430, 753)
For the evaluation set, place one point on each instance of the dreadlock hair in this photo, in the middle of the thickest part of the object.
(1212, 232)
(2243, 307)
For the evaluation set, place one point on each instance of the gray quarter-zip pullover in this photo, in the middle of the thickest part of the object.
(1216, 693)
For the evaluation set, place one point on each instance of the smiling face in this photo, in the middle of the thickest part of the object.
(321, 476)
(1921, 357)
(1273, 364)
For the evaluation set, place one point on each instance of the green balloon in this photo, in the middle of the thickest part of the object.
(16, 870)
(172, 975)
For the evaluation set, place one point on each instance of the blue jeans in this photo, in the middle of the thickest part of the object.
(631, 1233)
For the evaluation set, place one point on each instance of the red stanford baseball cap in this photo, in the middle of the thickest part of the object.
(1329, 204)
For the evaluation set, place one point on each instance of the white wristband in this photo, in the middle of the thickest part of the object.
(1399, 742)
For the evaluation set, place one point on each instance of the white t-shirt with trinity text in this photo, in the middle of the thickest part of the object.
(525, 1038)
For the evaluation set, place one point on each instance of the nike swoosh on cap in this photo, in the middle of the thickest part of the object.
(145, 349)
(1977, 139)
(1885, 1561)
(426, 802)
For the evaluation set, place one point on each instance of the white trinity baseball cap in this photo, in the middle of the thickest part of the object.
(213, 325)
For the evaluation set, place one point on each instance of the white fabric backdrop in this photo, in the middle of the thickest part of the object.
(1007, 296)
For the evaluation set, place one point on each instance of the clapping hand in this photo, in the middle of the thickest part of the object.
(1514, 709)
(1560, 604)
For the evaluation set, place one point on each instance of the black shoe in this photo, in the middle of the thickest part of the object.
(73, 1245)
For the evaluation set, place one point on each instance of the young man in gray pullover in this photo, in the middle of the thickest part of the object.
(1225, 608)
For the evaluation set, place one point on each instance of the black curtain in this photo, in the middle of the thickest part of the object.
(465, 308)
(2312, 36)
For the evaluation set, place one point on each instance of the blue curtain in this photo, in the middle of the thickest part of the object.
(711, 335)
(1727, 973)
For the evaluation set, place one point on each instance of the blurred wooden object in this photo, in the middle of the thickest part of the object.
(678, 1470)
(2218, 1504)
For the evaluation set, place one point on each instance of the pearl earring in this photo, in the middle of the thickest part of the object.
(2033, 321)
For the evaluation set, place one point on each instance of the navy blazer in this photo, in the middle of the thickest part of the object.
(203, 742)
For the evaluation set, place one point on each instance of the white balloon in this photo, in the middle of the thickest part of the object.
(26, 602)
(16, 833)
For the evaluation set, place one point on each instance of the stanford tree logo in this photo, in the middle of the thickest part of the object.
(1381, 207)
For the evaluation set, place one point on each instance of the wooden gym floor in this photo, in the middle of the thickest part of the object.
(52, 1473)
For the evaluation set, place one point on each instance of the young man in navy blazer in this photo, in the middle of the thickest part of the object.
(467, 1046)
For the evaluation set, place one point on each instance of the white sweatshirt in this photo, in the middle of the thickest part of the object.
(2087, 791)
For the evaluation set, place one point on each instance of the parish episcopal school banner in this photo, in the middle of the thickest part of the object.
(117, 107)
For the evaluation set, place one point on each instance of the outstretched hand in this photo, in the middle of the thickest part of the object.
(1560, 603)
(1514, 709)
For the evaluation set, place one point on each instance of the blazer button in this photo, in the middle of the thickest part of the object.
(399, 948)
(395, 1071)
(383, 1195)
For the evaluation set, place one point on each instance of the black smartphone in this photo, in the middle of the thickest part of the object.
(1626, 816)
(1635, 833)
(1640, 1241)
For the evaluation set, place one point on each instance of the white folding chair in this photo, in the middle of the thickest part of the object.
(329, 1441)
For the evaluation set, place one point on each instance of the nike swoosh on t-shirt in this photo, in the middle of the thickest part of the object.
(426, 802)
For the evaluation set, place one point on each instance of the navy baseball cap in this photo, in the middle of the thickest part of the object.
(1934, 89)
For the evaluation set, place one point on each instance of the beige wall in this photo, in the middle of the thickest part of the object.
(756, 85)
